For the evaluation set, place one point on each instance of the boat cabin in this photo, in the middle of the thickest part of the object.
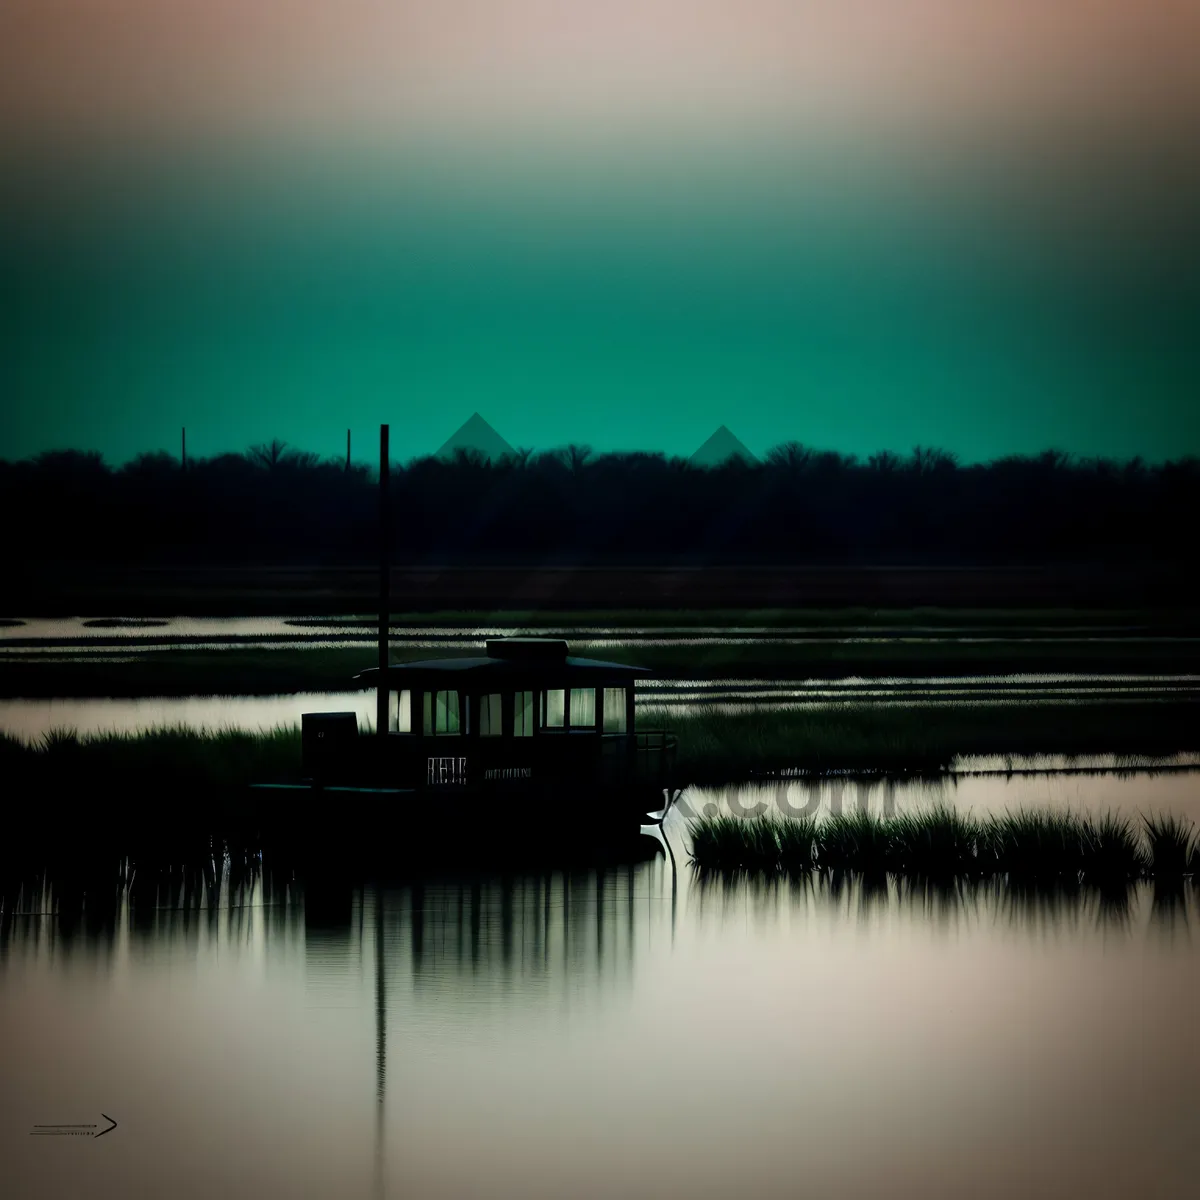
(527, 715)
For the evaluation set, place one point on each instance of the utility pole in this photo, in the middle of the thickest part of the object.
(382, 695)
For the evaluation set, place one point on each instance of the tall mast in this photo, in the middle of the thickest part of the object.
(385, 586)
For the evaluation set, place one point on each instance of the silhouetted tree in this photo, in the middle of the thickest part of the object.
(575, 457)
(269, 454)
(884, 461)
(792, 456)
(520, 457)
(472, 460)
(925, 460)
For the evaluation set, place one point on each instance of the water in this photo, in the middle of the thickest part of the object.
(626, 1033)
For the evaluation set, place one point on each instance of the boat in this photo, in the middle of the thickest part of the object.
(526, 729)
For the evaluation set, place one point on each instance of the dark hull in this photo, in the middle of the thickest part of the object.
(503, 803)
(392, 831)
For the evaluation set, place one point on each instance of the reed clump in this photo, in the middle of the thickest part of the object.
(945, 844)
(1174, 846)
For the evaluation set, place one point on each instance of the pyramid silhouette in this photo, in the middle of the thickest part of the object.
(477, 435)
(720, 448)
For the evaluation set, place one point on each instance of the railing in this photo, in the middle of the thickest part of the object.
(446, 771)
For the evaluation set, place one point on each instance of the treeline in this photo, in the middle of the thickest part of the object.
(273, 504)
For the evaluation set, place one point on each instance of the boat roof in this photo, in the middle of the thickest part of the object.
(571, 668)
(541, 659)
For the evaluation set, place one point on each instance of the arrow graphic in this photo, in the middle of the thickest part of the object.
(74, 1130)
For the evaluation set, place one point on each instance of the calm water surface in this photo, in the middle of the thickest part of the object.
(624, 1033)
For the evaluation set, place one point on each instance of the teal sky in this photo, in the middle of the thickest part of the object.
(860, 224)
(633, 309)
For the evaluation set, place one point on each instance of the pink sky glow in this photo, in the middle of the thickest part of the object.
(76, 70)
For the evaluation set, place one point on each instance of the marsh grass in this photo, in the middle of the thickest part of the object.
(167, 756)
(1114, 851)
(1173, 846)
(797, 842)
(854, 842)
(717, 747)
(1039, 847)
(935, 845)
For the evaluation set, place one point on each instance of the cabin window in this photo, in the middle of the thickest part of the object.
(583, 708)
(554, 708)
(614, 710)
(523, 714)
(441, 713)
(401, 718)
(490, 724)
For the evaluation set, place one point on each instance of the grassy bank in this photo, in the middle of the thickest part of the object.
(254, 671)
(172, 764)
(719, 748)
(945, 844)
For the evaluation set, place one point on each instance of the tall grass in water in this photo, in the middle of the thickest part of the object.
(855, 842)
(943, 844)
(1174, 847)
(937, 844)
(758, 844)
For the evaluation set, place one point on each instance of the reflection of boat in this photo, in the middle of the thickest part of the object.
(467, 959)
(525, 727)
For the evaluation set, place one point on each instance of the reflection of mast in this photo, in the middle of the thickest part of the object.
(380, 1043)
(658, 829)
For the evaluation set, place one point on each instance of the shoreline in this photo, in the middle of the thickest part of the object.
(64, 588)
